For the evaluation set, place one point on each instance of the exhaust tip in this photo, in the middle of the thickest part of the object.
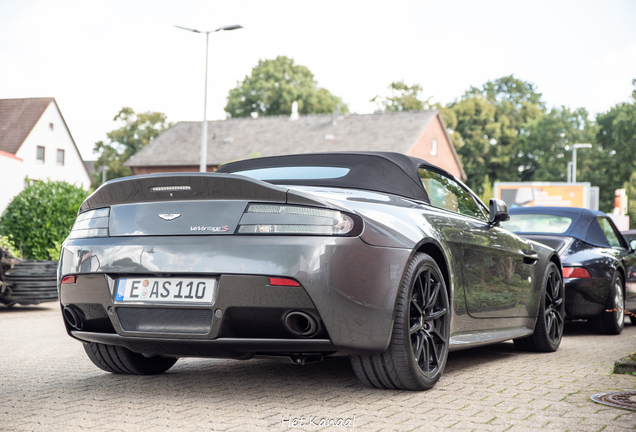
(72, 317)
(300, 324)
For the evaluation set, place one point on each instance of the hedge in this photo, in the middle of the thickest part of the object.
(40, 217)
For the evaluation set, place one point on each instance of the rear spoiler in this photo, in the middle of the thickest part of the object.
(192, 187)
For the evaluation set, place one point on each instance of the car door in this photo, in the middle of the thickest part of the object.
(493, 273)
(630, 284)
(622, 252)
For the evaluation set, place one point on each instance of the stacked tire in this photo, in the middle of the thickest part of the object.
(29, 282)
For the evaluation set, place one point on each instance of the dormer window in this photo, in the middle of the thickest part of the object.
(40, 154)
(434, 147)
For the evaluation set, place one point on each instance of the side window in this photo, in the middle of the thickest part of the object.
(612, 238)
(448, 194)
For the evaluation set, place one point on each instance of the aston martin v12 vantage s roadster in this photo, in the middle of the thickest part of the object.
(380, 256)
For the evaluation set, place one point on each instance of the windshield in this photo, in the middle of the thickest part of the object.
(537, 223)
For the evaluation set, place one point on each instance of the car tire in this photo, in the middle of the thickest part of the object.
(548, 329)
(612, 320)
(417, 352)
(120, 360)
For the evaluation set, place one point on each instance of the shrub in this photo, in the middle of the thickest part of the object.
(6, 243)
(40, 217)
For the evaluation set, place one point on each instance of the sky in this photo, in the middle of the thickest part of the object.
(98, 56)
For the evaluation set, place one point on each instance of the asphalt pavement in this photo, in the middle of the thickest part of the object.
(47, 383)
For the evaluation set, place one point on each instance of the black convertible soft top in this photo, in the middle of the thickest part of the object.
(386, 172)
(584, 224)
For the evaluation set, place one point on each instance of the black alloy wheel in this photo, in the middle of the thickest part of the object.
(619, 303)
(612, 320)
(548, 330)
(427, 316)
(418, 349)
(553, 314)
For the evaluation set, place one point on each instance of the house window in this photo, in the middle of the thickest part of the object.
(51, 126)
(40, 154)
(60, 157)
(434, 147)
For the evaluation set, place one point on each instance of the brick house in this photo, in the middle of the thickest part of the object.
(415, 133)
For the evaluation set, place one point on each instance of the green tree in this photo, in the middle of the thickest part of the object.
(630, 191)
(490, 122)
(472, 121)
(403, 98)
(275, 85)
(40, 217)
(615, 160)
(503, 132)
(488, 191)
(137, 131)
(516, 98)
(546, 146)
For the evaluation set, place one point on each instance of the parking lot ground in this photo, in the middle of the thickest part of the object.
(47, 383)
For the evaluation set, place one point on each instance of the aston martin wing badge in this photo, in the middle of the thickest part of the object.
(169, 216)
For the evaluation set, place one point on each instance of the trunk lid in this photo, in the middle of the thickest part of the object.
(558, 243)
(186, 203)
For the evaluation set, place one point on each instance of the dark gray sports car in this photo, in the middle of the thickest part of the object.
(380, 256)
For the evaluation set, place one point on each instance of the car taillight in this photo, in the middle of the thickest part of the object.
(576, 272)
(273, 219)
(69, 280)
(93, 223)
(278, 281)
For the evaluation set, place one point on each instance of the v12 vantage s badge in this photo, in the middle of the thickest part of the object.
(173, 216)
(210, 228)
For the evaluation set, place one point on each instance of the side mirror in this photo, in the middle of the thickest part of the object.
(498, 212)
(632, 244)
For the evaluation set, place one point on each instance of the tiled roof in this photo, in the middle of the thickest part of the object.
(241, 138)
(17, 119)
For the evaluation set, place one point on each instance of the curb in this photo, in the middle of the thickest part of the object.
(626, 365)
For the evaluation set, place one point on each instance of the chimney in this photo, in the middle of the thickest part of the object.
(336, 114)
(294, 113)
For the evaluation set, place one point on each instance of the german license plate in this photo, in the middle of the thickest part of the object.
(162, 290)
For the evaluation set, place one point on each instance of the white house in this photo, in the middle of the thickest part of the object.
(35, 144)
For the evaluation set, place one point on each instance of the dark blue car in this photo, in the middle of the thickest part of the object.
(599, 266)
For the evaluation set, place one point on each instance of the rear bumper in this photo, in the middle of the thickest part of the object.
(348, 286)
(586, 298)
(222, 347)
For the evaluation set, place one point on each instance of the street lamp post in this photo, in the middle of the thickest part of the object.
(104, 169)
(574, 147)
(204, 128)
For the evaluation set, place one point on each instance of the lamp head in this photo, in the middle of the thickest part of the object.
(578, 146)
(230, 27)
